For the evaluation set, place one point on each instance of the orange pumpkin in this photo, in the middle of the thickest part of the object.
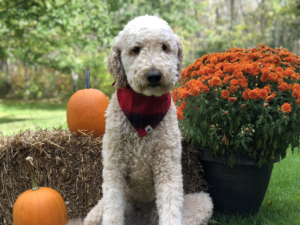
(86, 110)
(39, 205)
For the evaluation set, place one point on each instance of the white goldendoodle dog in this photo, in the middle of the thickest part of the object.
(142, 179)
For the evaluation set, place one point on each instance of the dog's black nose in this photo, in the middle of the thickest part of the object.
(153, 77)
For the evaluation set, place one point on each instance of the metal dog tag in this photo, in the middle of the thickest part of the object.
(148, 129)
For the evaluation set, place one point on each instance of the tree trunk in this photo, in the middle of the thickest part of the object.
(75, 79)
(7, 85)
(217, 16)
(262, 25)
(277, 33)
(1, 65)
(27, 77)
(7, 71)
(232, 14)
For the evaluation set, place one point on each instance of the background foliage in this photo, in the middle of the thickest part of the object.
(46, 45)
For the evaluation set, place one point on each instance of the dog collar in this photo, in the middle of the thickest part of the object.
(143, 112)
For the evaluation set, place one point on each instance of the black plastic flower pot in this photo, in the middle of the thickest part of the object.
(237, 190)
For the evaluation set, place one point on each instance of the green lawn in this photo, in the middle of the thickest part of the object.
(282, 201)
(16, 115)
(283, 191)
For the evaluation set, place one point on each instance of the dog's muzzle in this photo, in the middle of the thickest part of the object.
(154, 77)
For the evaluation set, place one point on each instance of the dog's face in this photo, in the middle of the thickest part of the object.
(147, 55)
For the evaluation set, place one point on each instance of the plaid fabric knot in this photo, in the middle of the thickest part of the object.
(143, 112)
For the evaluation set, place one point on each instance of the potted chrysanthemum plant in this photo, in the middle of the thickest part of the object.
(240, 108)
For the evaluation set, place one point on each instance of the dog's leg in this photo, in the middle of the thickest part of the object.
(114, 201)
(169, 190)
(75, 222)
(94, 217)
(197, 209)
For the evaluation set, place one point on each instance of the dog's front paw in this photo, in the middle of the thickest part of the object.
(75, 222)
(197, 209)
(113, 219)
(94, 217)
(170, 221)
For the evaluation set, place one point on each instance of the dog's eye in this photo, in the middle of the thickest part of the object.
(136, 50)
(164, 47)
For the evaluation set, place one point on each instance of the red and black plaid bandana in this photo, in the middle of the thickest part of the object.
(143, 112)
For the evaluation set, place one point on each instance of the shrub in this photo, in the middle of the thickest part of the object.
(241, 101)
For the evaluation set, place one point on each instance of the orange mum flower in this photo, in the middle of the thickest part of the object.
(180, 115)
(239, 75)
(296, 94)
(267, 88)
(280, 69)
(232, 99)
(245, 94)
(205, 89)
(226, 79)
(296, 86)
(253, 94)
(293, 77)
(264, 78)
(233, 89)
(270, 98)
(225, 94)
(215, 81)
(243, 106)
(283, 87)
(195, 91)
(214, 60)
(183, 105)
(234, 82)
(286, 107)
(272, 77)
(280, 80)
(297, 101)
(274, 94)
(219, 73)
(277, 60)
(196, 108)
(263, 94)
(280, 75)
(243, 82)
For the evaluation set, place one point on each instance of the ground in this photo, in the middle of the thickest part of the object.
(16, 115)
(280, 206)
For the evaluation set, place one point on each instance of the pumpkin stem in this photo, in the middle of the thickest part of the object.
(87, 79)
(29, 162)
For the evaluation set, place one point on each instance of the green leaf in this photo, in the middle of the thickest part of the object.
(231, 160)
(231, 127)
(259, 143)
(244, 145)
(237, 121)
(204, 141)
(265, 131)
(204, 124)
(275, 145)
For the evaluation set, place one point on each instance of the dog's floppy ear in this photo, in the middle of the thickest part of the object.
(115, 67)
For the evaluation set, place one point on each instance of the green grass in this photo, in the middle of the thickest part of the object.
(283, 190)
(16, 115)
(283, 193)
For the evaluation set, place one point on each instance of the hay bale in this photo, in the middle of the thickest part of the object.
(192, 170)
(68, 163)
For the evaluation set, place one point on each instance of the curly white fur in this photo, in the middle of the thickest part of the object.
(142, 176)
